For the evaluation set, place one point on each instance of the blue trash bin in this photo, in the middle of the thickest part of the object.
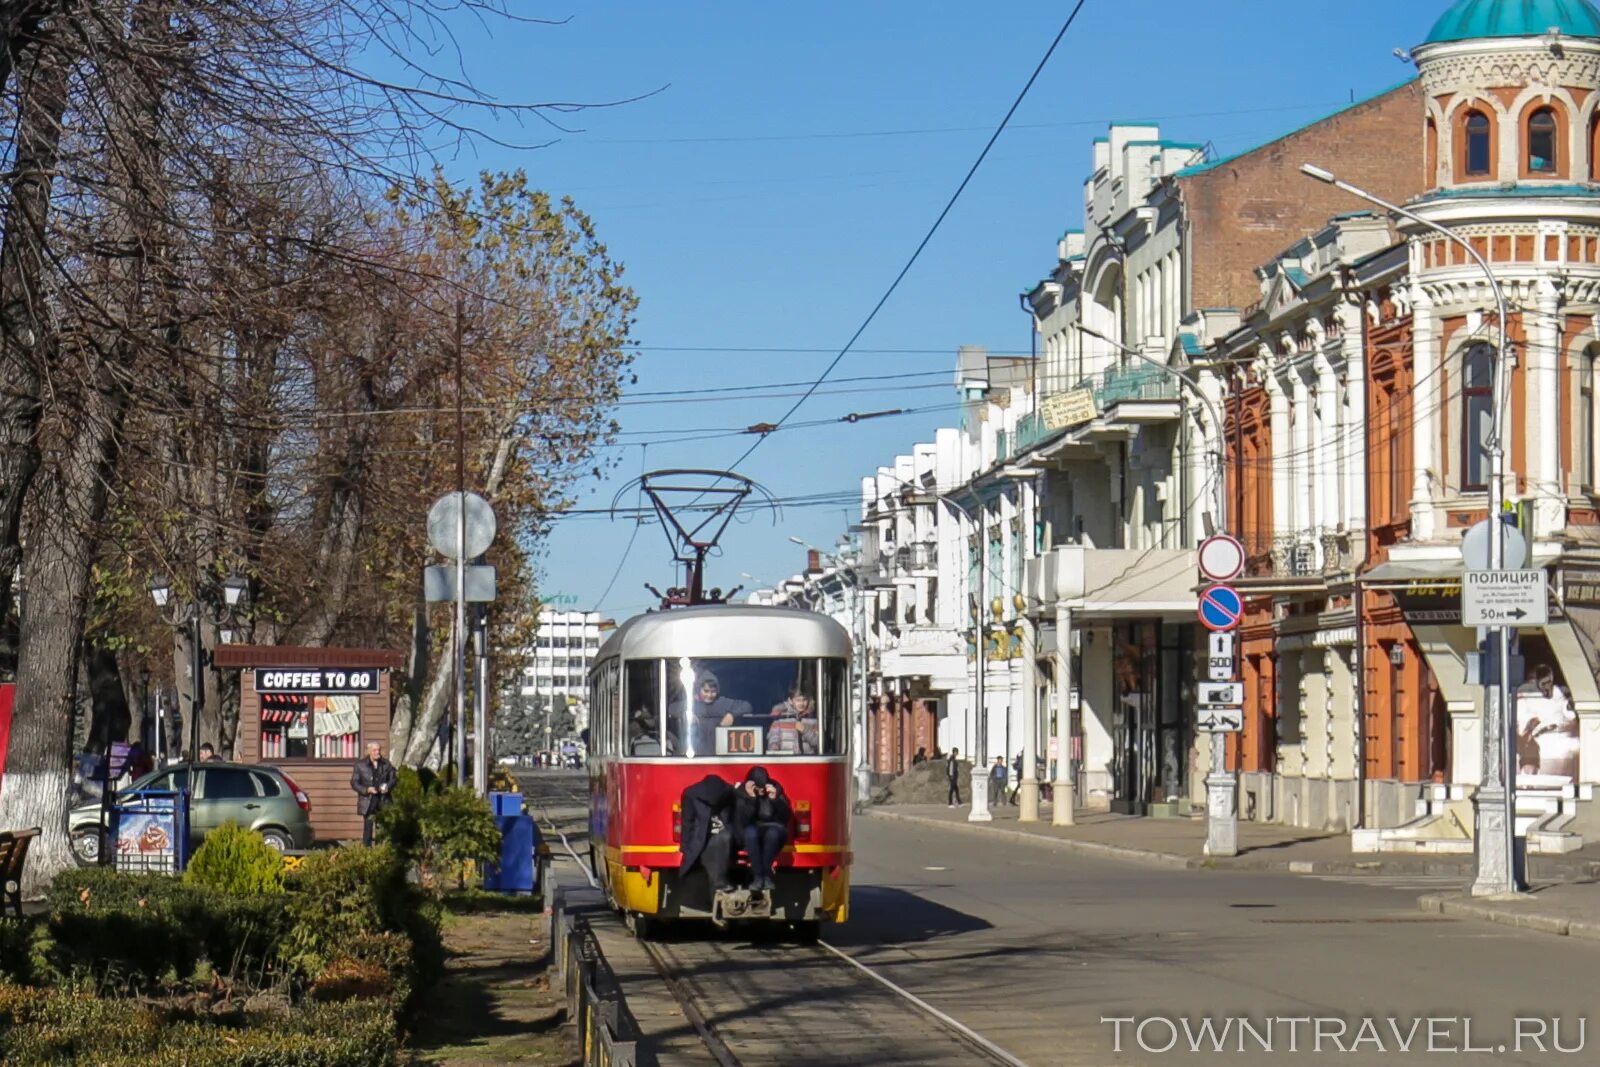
(518, 840)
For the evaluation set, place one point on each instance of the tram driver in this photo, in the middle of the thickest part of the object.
(710, 710)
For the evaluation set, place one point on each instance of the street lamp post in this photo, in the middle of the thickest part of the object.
(858, 613)
(1222, 809)
(1496, 825)
(192, 616)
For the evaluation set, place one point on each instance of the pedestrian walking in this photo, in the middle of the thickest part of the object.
(373, 780)
(997, 782)
(1016, 786)
(952, 775)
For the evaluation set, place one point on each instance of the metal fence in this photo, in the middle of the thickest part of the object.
(598, 1017)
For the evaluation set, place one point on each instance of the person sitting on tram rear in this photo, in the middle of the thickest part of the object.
(761, 814)
(707, 831)
(793, 731)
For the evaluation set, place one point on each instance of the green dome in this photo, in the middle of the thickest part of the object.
(1468, 19)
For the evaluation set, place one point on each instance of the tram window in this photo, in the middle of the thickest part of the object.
(836, 698)
(743, 708)
(642, 701)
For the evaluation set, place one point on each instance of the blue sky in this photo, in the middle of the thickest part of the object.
(766, 198)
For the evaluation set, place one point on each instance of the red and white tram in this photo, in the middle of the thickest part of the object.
(655, 730)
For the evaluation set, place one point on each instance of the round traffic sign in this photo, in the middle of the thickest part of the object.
(1221, 607)
(1222, 558)
(1475, 546)
(445, 526)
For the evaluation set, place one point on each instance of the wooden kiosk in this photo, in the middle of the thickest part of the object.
(311, 712)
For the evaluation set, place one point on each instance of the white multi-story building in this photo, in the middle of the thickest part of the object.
(565, 645)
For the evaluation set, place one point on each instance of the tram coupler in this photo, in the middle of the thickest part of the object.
(729, 904)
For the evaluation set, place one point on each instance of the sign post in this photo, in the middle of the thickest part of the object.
(462, 526)
(1220, 705)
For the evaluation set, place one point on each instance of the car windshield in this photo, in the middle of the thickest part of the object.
(711, 708)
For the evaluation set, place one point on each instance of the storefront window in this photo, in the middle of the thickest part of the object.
(301, 726)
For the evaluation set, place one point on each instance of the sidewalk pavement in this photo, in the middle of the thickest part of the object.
(1566, 888)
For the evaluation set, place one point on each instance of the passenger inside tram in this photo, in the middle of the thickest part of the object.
(793, 731)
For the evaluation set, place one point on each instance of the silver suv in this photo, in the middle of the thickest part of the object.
(256, 797)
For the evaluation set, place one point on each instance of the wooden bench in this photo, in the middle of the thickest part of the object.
(13, 854)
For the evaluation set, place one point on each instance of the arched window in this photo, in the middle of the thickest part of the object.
(1543, 143)
(1477, 149)
(1477, 416)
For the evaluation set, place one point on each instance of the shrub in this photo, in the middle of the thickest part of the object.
(503, 781)
(19, 943)
(458, 829)
(343, 896)
(235, 860)
(138, 928)
(243, 934)
(49, 1027)
(400, 821)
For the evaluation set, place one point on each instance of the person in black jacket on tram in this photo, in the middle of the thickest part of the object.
(707, 834)
(761, 814)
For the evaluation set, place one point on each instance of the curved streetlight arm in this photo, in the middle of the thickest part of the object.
(1497, 428)
(1194, 387)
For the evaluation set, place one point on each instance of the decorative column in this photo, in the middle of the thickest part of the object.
(1424, 414)
(1064, 788)
(1547, 422)
(1028, 796)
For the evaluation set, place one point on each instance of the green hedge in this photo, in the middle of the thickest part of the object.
(138, 929)
(43, 1028)
(342, 898)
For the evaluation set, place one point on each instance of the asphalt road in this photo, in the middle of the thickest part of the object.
(1033, 948)
(1038, 949)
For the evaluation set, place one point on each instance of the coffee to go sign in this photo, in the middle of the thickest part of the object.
(315, 680)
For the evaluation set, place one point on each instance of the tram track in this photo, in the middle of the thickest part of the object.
(764, 1002)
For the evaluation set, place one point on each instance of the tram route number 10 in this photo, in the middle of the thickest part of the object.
(738, 741)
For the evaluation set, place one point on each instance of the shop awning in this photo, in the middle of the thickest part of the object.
(1399, 574)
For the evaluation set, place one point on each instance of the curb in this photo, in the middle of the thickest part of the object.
(1178, 861)
(1488, 911)
(1094, 848)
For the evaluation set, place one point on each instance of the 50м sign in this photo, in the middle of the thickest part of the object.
(1504, 598)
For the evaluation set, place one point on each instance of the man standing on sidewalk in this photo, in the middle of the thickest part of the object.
(952, 775)
(997, 782)
(373, 780)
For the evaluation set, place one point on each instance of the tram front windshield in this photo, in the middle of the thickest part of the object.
(735, 708)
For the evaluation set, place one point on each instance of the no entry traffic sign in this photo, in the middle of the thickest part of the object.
(1221, 607)
(1221, 558)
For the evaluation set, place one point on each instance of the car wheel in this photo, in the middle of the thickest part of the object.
(277, 840)
(87, 845)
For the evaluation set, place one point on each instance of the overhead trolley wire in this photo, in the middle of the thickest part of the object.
(926, 238)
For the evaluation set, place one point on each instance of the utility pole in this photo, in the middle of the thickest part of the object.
(461, 562)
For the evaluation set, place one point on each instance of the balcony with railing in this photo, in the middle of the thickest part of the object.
(1153, 391)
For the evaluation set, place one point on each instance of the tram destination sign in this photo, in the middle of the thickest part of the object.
(1504, 598)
